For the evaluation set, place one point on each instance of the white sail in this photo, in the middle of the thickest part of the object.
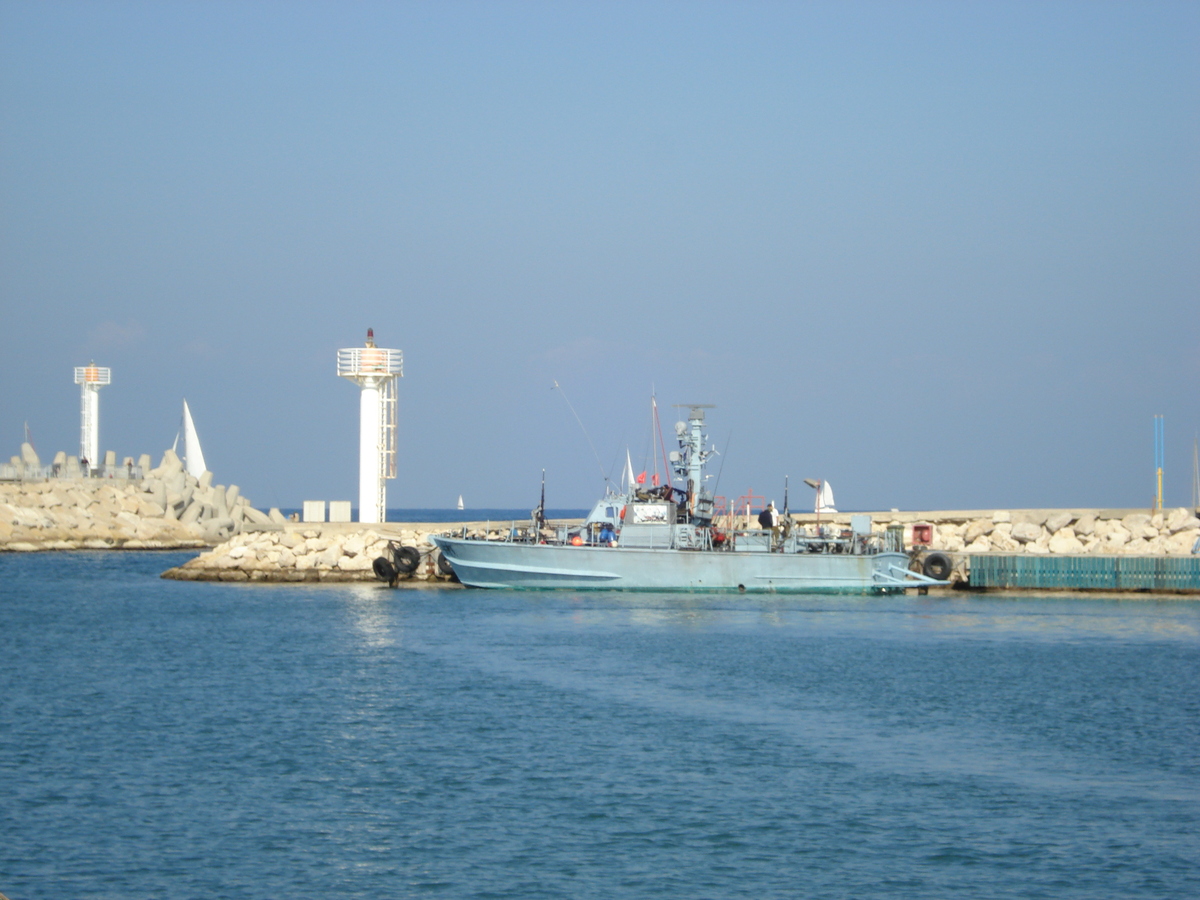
(825, 503)
(627, 477)
(460, 503)
(193, 456)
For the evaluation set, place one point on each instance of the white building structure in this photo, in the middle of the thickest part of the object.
(374, 370)
(90, 379)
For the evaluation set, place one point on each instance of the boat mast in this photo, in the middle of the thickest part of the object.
(661, 441)
(690, 464)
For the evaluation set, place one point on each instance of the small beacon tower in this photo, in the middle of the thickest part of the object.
(90, 379)
(375, 371)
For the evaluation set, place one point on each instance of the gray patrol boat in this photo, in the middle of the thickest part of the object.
(667, 539)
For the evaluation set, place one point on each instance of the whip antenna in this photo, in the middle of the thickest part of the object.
(540, 512)
(599, 464)
(721, 468)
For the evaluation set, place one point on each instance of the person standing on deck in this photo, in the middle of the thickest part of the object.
(768, 518)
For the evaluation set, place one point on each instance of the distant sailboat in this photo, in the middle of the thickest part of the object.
(193, 456)
(460, 503)
(825, 499)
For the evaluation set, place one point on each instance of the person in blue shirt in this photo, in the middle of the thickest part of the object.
(607, 535)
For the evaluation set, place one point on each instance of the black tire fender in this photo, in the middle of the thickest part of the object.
(443, 565)
(407, 559)
(384, 570)
(937, 565)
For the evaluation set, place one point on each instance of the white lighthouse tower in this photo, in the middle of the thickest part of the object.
(90, 379)
(375, 371)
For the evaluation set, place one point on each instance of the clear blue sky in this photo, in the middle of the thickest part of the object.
(944, 255)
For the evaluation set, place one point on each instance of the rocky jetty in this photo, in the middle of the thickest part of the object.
(1069, 532)
(165, 509)
(1049, 532)
(329, 552)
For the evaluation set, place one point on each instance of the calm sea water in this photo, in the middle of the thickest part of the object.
(173, 739)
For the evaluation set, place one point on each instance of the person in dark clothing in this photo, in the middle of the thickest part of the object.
(768, 518)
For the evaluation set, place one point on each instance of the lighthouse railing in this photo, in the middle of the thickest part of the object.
(369, 362)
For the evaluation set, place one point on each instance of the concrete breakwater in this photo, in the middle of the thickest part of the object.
(345, 552)
(165, 509)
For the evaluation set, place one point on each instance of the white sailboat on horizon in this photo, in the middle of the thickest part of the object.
(628, 479)
(193, 456)
(824, 502)
(460, 503)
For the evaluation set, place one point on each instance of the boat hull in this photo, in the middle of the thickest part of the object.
(499, 564)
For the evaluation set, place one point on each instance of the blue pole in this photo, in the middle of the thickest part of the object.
(1159, 441)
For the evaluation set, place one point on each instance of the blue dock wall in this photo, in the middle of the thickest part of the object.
(1113, 573)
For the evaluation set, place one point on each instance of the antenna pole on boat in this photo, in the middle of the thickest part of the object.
(558, 388)
(541, 510)
(721, 468)
(662, 443)
(654, 435)
(815, 484)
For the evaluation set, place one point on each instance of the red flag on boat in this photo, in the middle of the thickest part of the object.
(654, 479)
(641, 479)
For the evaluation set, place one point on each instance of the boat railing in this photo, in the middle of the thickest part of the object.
(523, 532)
(763, 540)
(747, 505)
(898, 576)
(742, 540)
